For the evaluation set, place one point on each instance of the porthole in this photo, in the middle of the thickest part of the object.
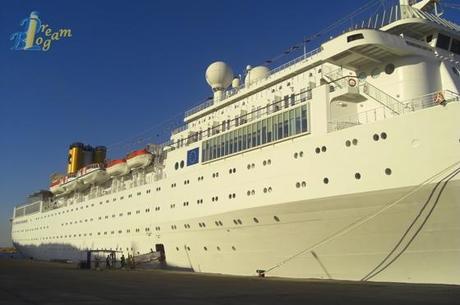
(326, 180)
(317, 150)
(323, 149)
(376, 137)
(362, 76)
(233, 248)
(383, 135)
(240, 222)
(297, 185)
(375, 73)
(182, 164)
(389, 69)
(304, 184)
(301, 154)
(276, 218)
(347, 143)
(388, 171)
(357, 176)
(205, 249)
(255, 220)
(355, 141)
(218, 248)
(177, 248)
(176, 166)
(264, 163)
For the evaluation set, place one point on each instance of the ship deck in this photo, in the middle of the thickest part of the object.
(34, 282)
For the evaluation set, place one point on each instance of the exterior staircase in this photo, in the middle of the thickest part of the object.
(386, 100)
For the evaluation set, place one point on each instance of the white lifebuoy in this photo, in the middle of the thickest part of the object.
(352, 82)
(439, 98)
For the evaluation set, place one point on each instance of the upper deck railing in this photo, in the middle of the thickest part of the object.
(233, 91)
(383, 112)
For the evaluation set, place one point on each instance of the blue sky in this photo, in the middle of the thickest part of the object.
(128, 66)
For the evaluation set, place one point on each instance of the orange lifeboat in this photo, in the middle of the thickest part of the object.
(56, 186)
(92, 174)
(138, 158)
(117, 167)
(72, 183)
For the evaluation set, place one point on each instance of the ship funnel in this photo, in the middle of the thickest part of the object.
(74, 160)
(219, 76)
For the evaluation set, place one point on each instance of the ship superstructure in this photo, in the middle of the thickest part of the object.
(342, 163)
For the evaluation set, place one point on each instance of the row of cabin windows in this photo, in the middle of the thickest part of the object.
(275, 128)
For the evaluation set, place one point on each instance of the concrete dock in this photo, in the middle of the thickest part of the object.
(33, 282)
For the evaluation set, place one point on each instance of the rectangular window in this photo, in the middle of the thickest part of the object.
(285, 124)
(217, 147)
(269, 130)
(443, 41)
(298, 123)
(280, 126)
(264, 131)
(240, 136)
(249, 136)
(455, 47)
(292, 122)
(259, 129)
(244, 138)
(230, 145)
(304, 118)
(355, 37)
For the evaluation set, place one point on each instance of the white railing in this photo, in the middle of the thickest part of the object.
(382, 97)
(233, 91)
(383, 112)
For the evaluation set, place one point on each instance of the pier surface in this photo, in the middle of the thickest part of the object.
(33, 282)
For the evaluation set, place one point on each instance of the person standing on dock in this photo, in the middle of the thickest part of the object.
(107, 262)
(122, 261)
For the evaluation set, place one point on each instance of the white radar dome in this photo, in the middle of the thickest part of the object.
(255, 74)
(219, 76)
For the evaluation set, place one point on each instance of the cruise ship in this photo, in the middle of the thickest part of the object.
(341, 163)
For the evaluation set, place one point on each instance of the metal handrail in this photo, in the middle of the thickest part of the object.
(233, 91)
(382, 113)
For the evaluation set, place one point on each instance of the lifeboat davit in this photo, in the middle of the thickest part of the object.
(138, 158)
(117, 167)
(92, 174)
(56, 186)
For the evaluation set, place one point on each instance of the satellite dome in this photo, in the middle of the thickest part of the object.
(255, 74)
(219, 75)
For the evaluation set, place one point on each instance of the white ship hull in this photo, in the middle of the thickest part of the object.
(303, 225)
(346, 218)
